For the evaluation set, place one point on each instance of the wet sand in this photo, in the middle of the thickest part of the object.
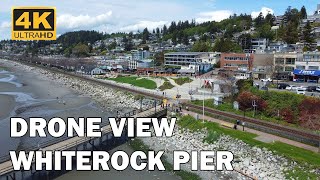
(7, 104)
(30, 94)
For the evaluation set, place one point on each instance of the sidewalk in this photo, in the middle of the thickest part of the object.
(263, 137)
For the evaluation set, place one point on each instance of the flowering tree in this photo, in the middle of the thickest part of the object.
(246, 98)
(309, 113)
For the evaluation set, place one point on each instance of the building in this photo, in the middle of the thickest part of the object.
(135, 64)
(97, 71)
(236, 61)
(285, 63)
(259, 45)
(199, 61)
(212, 58)
(307, 67)
(263, 66)
(140, 54)
(183, 58)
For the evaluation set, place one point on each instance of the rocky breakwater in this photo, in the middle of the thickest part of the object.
(108, 98)
(255, 162)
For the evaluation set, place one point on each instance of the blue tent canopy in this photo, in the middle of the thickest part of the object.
(306, 72)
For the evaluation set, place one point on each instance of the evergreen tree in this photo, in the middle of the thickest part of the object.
(303, 13)
(291, 34)
(308, 37)
(259, 21)
(145, 36)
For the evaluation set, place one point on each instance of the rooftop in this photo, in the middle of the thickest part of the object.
(186, 53)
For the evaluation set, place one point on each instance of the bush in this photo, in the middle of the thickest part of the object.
(244, 84)
(246, 99)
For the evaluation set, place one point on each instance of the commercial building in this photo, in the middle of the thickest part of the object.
(183, 58)
(285, 63)
(201, 62)
(236, 61)
(145, 63)
(263, 66)
(308, 67)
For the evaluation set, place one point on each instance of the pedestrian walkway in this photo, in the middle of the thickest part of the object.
(262, 136)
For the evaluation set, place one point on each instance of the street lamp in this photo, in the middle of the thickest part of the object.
(203, 109)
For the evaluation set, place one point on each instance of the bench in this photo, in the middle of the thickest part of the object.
(227, 125)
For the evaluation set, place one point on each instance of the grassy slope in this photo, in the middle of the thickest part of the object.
(166, 85)
(304, 157)
(144, 83)
(181, 81)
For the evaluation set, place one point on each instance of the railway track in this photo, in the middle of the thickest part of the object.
(271, 126)
(257, 122)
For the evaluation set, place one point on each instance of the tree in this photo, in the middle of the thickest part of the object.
(259, 21)
(264, 31)
(303, 13)
(81, 50)
(226, 45)
(269, 19)
(145, 36)
(308, 37)
(291, 34)
(201, 46)
(246, 99)
(309, 113)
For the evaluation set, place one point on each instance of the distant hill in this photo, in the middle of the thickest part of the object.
(76, 37)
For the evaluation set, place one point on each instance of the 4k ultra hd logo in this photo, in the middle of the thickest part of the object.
(34, 23)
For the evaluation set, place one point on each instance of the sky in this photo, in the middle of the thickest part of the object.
(131, 15)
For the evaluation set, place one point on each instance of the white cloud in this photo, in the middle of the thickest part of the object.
(71, 22)
(265, 11)
(214, 16)
(5, 24)
(143, 24)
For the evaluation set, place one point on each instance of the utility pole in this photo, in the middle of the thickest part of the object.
(203, 109)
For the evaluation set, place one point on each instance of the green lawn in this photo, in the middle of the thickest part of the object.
(143, 82)
(181, 81)
(304, 157)
(166, 85)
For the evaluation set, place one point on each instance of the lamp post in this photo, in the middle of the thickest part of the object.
(203, 109)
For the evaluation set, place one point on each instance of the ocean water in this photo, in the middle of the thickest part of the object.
(28, 103)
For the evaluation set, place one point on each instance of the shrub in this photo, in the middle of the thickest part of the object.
(246, 99)
(309, 113)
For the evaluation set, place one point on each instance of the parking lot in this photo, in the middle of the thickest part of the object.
(314, 94)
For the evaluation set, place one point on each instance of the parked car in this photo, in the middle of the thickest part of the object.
(291, 88)
(312, 88)
(266, 80)
(302, 87)
(283, 86)
(318, 89)
(301, 91)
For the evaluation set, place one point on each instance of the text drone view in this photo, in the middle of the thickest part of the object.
(160, 90)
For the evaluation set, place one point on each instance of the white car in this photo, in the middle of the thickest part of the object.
(266, 80)
(302, 87)
(291, 88)
(301, 91)
(318, 89)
